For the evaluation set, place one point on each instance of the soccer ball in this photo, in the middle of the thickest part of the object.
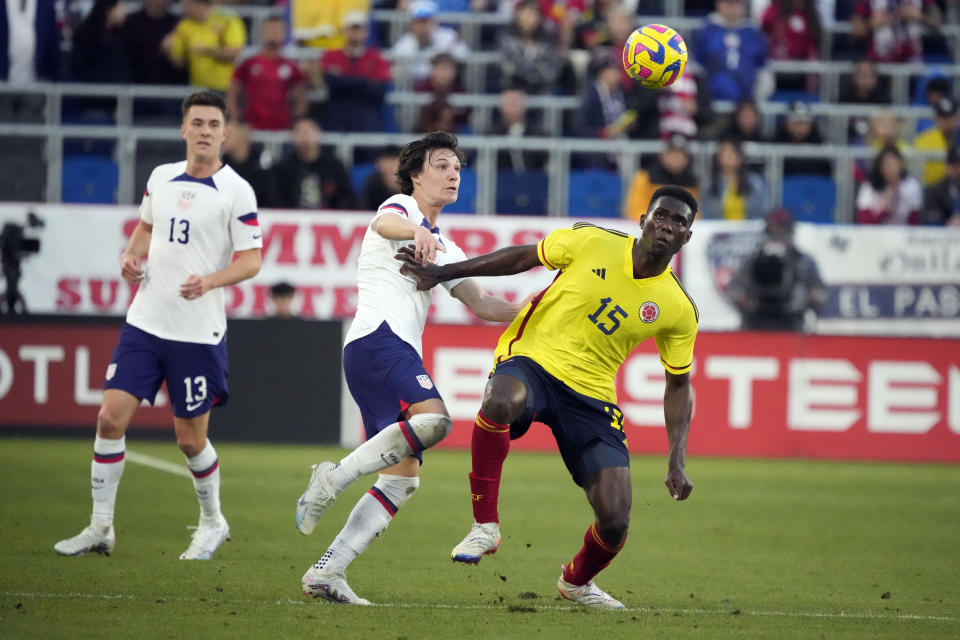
(655, 56)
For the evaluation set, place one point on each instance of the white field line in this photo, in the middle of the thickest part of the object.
(856, 615)
(157, 463)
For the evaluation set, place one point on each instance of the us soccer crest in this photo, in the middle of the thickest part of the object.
(186, 200)
(425, 381)
(111, 370)
(649, 311)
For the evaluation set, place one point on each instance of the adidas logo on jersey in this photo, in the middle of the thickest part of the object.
(601, 272)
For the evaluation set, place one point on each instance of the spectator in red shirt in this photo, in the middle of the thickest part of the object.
(272, 86)
(793, 31)
(358, 78)
(894, 29)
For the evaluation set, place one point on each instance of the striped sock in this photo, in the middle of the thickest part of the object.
(488, 448)
(105, 472)
(592, 558)
(205, 467)
(385, 449)
(369, 518)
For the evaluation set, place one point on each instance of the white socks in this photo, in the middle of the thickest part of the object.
(105, 472)
(205, 467)
(390, 446)
(371, 515)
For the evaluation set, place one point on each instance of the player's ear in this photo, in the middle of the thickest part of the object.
(689, 235)
(642, 218)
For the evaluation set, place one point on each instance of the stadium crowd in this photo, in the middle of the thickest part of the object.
(315, 67)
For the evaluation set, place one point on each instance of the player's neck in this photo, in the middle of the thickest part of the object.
(647, 265)
(430, 211)
(197, 168)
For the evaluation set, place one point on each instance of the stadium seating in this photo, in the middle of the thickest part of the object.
(594, 193)
(467, 199)
(358, 175)
(810, 198)
(91, 179)
(522, 192)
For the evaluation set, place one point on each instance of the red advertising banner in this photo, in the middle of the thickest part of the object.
(53, 376)
(756, 394)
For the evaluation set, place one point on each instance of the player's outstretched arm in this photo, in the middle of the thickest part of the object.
(677, 409)
(503, 262)
(486, 306)
(244, 266)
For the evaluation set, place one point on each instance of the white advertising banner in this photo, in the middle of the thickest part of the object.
(880, 280)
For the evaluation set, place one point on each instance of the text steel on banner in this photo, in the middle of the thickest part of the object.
(769, 395)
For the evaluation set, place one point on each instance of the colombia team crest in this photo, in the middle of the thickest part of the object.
(649, 311)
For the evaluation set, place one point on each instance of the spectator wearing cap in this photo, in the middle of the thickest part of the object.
(358, 77)
(318, 23)
(777, 287)
(425, 39)
(799, 127)
(207, 41)
(270, 87)
(735, 192)
(944, 134)
(673, 165)
(281, 300)
(732, 52)
(890, 195)
(941, 202)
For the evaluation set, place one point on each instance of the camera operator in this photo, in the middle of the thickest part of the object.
(777, 284)
(14, 247)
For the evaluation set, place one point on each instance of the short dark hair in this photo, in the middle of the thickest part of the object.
(282, 290)
(674, 191)
(415, 153)
(204, 98)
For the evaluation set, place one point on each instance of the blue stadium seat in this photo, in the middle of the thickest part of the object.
(467, 198)
(522, 192)
(91, 179)
(594, 193)
(810, 198)
(358, 175)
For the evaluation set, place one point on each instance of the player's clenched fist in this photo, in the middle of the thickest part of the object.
(678, 484)
(130, 268)
(194, 287)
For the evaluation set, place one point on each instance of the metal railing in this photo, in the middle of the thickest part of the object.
(127, 137)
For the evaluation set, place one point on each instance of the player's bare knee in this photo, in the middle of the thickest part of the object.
(110, 425)
(431, 428)
(504, 399)
(189, 445)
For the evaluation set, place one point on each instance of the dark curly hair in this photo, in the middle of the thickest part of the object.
(674, 191)
(413, 156)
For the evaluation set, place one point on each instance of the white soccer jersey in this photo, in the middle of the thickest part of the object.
(385, 294)
(198, 223)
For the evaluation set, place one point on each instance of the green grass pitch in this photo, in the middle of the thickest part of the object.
(763, 549)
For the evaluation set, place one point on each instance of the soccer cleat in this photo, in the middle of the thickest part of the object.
(96, 539)
(483, 539)
(318, 497)
(330, 586)
(589, 595)
(207, 539)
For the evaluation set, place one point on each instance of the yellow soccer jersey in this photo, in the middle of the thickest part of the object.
(221, 29)
(583, 326)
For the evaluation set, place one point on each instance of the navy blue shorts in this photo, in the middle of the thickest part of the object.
(385, 375)
(196, 374)
(589, 432)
